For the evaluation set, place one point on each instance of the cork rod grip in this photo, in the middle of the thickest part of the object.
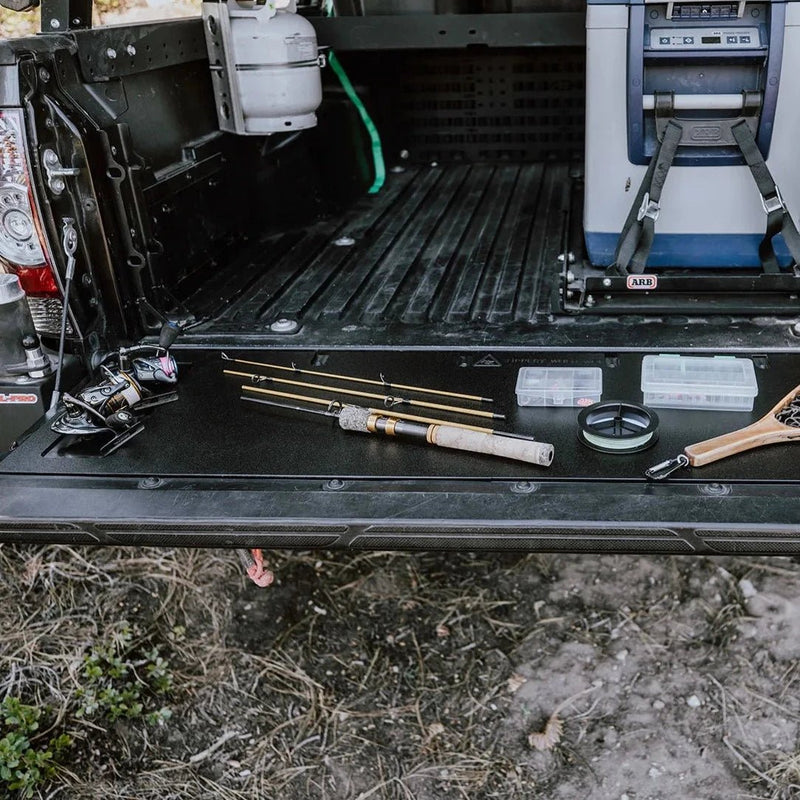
(505, 447)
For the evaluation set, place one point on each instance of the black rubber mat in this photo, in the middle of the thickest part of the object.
(211, 432)
(457, 247)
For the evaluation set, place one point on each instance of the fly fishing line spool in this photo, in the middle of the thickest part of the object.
(616, 427)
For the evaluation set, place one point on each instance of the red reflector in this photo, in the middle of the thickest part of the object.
(37, 281)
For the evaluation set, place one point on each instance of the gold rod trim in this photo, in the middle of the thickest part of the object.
(386, 384)
(472, 412)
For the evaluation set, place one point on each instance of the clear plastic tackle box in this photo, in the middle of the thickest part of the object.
(714, 383)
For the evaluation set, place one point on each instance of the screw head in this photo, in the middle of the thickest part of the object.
(111, 53)
(55, 24)
(345, 241)
(130, 50)
(606, 282)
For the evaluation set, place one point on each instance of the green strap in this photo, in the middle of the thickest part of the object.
(375, 137)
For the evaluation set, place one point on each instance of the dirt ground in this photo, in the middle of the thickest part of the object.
(419, 676)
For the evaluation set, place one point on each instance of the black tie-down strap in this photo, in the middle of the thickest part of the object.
(779, 220)
(636, 239)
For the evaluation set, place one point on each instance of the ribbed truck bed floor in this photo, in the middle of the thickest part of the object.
(438, 251)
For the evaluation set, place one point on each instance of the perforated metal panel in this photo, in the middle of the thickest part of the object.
(492, 106)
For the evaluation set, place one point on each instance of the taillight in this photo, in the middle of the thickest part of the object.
(22, 250)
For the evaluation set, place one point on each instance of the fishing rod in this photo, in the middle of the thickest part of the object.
(388, 400)
(384, 383)
(441, 434)
(396, 414)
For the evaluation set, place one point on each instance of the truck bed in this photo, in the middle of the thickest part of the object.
(440, 252)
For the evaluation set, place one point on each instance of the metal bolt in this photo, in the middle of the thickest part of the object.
(333, 485)
(44, 75)
(715, 489)
(58, 185)
(111, 53)
(524, 487)
(570, 275)
(405, 155)
(606, 282)
(796, 329)
(284, 325)
(398, 169)
(150, 483)
(130, 50)
(55, 24)
(590, 301)
(345, 241)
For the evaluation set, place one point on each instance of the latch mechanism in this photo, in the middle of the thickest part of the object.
(55, 172)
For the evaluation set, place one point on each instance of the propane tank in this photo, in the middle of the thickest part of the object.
(266, 66)
(16, 325)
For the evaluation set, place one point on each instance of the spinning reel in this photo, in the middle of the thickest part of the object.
(132, 377)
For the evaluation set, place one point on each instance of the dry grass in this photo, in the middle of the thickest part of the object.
(377, 675)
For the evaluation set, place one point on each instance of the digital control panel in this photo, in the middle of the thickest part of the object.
(738, 38)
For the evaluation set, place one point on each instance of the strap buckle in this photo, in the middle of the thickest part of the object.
(650, 209)
(773, 203)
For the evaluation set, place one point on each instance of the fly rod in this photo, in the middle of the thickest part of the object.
(370, 420)
(389, 400)
(385, 384)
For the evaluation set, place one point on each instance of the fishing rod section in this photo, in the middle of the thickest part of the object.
(386, 385)
(389, 421)
(440, 434)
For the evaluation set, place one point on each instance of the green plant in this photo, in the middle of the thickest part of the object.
(24, 763)
(121, 679)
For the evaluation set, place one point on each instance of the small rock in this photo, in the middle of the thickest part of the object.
(654, 772)
(622, 655)
(659, 705)
(435, 729)
(747, 589)
(693, 701)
